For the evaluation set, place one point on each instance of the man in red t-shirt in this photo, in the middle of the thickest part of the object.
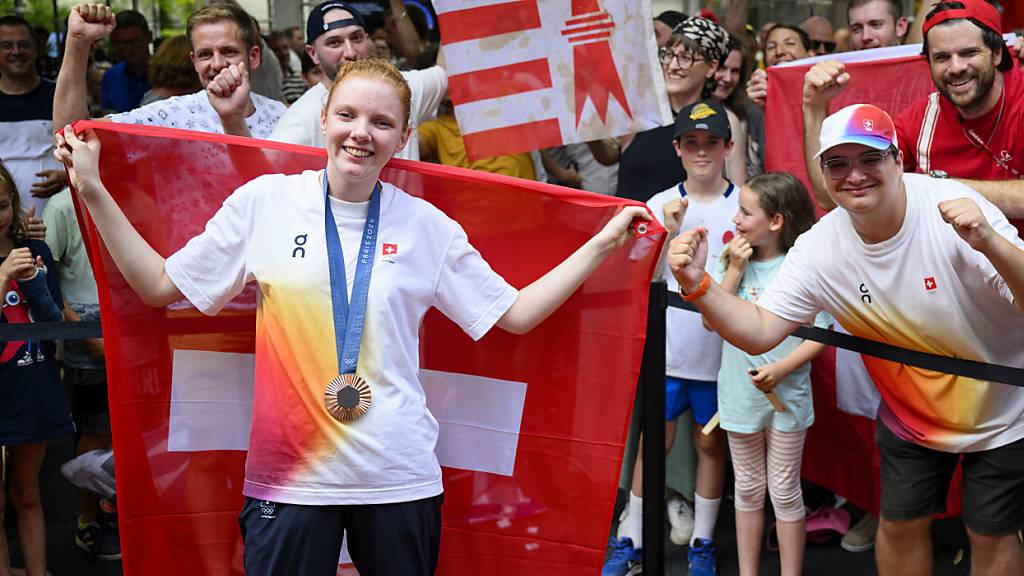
(971, 128)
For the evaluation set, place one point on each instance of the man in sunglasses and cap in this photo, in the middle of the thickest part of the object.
(971, 128)
(336, 33)
(919, 263)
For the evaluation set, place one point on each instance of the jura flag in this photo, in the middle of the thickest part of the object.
(531, 428)
(529, 74)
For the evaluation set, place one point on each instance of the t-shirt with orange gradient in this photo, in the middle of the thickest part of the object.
(923, 289)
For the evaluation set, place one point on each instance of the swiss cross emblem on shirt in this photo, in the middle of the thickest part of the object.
(389, 249)
(929, 283)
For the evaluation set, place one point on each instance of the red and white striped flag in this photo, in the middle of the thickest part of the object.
(530, 74)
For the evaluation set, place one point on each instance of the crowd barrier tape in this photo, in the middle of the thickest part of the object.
(944, 364)
(948, 365)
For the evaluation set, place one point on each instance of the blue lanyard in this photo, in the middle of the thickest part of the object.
(348, 328)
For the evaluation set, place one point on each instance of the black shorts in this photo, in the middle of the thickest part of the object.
(383, 539)
(88, 390)
(915, 483)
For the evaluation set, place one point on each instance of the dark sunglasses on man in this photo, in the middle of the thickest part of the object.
(823, 46)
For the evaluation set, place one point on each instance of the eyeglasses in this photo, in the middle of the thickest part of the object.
(683, 59)
(867, 163)
(22, 45)
(817, 45)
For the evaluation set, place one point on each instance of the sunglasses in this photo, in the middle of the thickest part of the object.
(818, 45)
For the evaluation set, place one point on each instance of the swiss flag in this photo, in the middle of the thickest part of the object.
(532, 428)
(929, 283)
(525, 75)
(389, 249)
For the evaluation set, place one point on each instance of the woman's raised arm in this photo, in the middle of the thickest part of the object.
(140, 264)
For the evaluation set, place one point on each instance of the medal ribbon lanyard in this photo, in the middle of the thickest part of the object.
(348, 320)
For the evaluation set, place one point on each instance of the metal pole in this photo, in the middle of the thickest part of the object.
(652, 379)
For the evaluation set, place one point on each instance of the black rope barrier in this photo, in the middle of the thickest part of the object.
(945, 364)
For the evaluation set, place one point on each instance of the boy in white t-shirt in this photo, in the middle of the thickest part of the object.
(921, 263)
(702, 140)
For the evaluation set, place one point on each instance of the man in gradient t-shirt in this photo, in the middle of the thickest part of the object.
(923, 264)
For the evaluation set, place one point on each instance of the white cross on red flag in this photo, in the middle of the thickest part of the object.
(530, 74)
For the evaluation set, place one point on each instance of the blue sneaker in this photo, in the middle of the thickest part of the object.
(623, 559)
(702, 558)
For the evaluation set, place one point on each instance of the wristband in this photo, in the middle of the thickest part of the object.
(701, 290)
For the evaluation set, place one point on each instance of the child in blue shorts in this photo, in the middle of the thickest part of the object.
(705, 198)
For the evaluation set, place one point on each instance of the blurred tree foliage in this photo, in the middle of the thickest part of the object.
(166, 16)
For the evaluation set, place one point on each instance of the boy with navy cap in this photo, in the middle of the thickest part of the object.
(702, 139)
(335, 33)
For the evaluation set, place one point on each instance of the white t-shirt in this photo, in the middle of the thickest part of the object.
(742, 407)
(26, 147)
(301, 123)
(924, 289)
(298, 453)
(194, 112)
(692, 351)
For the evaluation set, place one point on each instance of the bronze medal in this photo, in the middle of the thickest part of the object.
(347, 397)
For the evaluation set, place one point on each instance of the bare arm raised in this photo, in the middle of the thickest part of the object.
(87, 23)
(745, 324)
(967, 219)
(140, 264)
(538, 300)
(823, 82)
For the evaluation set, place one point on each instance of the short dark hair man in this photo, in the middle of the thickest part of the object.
(126, 82)
(972, 127)
(26, 108)
(876, 23)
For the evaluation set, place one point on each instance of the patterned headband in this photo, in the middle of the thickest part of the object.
(712, 38)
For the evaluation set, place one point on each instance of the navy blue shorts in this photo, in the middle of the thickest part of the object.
(700, 396)
(383, 539)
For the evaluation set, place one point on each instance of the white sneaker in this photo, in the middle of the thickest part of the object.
(680, 516)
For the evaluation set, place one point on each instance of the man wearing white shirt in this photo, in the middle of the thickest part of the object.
(225, 47)
(335, 32)
(26, 141)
